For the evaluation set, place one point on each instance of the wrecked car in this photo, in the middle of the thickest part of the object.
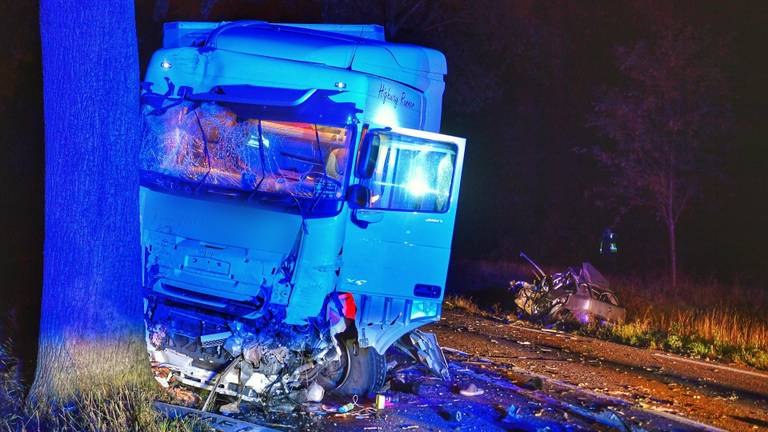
(297, 206)
(583, 295)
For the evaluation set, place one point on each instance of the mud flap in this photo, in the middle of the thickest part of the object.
(423, 347)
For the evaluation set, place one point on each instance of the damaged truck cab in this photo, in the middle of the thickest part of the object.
(297, 205)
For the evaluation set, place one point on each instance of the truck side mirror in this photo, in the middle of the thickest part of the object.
(358, 196)
(367, 155)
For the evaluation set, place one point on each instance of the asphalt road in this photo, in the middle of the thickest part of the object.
(535, 379)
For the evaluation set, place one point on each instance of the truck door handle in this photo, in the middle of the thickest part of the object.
(370, 216)
(362, 218)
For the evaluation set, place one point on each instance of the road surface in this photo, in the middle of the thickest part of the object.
(536, 378)
(540, 380)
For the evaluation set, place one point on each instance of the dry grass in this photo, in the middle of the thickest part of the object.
(707, 320)
(106, 409)
(462, 303)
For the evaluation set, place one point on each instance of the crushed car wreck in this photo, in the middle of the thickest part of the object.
(584, 295)
(297, 207)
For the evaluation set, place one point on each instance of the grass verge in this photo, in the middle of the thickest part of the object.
(105, 409)
(719, 332)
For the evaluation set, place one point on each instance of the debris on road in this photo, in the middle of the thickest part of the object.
(471, 390)
(218, 422)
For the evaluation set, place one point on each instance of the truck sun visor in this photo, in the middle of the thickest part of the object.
(307, 105)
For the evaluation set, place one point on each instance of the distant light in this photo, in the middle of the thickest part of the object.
(340, 84)
(165, 64)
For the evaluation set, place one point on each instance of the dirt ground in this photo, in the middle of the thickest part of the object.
(542, 380)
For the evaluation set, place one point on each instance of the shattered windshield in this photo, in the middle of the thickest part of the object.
(210, 148)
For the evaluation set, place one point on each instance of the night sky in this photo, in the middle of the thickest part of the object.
(523, 78)
(522, 81)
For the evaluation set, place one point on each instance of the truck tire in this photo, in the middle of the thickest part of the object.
(366, 370)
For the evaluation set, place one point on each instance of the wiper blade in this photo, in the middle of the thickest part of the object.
(263, 164)
(206, 152)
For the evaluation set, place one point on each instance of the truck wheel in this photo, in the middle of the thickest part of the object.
(366, 370)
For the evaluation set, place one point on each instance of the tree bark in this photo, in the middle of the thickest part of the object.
(91, 329)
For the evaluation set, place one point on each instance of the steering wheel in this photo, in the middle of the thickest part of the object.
(320, 178)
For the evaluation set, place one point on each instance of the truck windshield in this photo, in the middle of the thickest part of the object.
(208, 148)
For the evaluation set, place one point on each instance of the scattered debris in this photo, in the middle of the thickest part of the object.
(471, 390)
(230, 408)
(184, 396)
(534, 383)
(422, 346)
(381, 401)
(315, 392)
(451, 414)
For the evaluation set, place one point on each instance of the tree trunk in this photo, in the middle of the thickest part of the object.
(671, 226)
(91, 330)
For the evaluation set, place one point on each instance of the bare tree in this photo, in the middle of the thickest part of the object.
(663, 121)
(91, 329)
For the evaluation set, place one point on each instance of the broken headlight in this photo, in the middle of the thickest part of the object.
(423, 309)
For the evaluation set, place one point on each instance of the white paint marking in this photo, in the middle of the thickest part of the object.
(710, 365)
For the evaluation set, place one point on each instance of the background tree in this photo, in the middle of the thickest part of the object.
(91, 329)
(663, 121)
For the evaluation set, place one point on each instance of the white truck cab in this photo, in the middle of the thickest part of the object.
(297, 204)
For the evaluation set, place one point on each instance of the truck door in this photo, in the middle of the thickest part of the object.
(397, 246)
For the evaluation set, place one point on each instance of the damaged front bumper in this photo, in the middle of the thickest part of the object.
(195, 347)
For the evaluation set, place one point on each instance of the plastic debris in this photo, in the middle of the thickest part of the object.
(381, 401)
(315, 392)
(512, 412)
(451, 414)
(346, 408)
(230, 408)
(471, 390)
(391, 401)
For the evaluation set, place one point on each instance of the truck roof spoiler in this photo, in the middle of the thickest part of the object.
(194, 33)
